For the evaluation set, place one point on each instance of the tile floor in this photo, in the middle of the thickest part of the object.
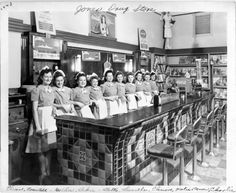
(214, 175)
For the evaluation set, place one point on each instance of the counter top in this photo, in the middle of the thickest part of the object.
(132, 118)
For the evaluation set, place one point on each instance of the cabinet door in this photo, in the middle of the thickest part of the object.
(15, 156)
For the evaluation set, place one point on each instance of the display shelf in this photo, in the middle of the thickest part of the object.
(220, 98)
(223, 87)
(217, 66)
(219, 76)
(14, 95)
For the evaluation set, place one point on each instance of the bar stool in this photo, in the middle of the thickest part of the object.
(169, 151)
(223, 118)
(204, 130)
(217, 118)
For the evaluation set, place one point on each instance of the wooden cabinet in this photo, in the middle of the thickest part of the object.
(39, 51)
(18, 127)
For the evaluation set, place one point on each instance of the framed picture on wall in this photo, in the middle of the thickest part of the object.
(119, 58)
(91, 56)
(102, 24)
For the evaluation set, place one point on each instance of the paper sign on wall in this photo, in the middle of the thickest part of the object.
(45, 23)
(143, 39)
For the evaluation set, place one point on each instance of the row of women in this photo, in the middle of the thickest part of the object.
(93, 101)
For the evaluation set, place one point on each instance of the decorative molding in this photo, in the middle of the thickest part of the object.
(157, 50)
(190, 51)
(92, 40)
(17, 25)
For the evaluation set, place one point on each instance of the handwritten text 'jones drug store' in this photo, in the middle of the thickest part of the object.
(114, 8)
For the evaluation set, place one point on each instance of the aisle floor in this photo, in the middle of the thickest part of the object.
(214, 175)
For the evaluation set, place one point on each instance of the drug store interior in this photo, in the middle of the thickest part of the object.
(175, 135)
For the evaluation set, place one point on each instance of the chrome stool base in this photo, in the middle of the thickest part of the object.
(194, 178)
(212, 154)
(204, 164)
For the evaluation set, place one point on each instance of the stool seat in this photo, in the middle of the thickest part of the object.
(192, 140)
(165, 151)
(171, 137)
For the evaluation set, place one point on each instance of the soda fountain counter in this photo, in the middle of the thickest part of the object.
(113, 151)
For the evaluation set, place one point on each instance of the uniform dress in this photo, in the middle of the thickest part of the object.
(130, 91)
(100, 110)
(110, 89)
(148, 92)
(82, 95)
(139, 92)
(37, 144)
(121, 93)
(63, 96)
(154, 87)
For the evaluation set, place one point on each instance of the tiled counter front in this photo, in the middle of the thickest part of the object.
(85, 154)
(92, 154)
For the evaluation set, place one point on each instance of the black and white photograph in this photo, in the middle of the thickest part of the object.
(127, 96)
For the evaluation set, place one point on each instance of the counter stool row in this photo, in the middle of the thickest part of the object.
(188, 136)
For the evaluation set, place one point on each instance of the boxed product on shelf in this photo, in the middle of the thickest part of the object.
(219, 81)
(220, 93)
(220, 71)
(204, 71)
(218, 59)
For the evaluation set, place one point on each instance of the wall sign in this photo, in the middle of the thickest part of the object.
(102, 24)
(91, 56)
(44, 22)
(46, 48)
(142, 34)
(119, 58)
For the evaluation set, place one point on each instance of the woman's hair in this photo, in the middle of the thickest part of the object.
(105, 75)
(138, 72)
(93, 77)
(146, 73)
(129, 74)
(103, 16)
(78, 75)
(44, 70)
(117, 74)
(57, 74)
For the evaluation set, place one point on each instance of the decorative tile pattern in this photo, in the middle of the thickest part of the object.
(103, 156)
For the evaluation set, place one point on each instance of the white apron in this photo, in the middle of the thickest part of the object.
(112, 107)
(142, 102)
(61, 112)
(86, 112)
(101, 109)
(148, 99)
(46, 120)
(122, 107)
(132, 102)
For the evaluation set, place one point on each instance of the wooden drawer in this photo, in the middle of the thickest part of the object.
(19, 127)
(16, 113)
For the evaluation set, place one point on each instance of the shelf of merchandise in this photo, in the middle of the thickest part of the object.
(184, 62)
(219, 76)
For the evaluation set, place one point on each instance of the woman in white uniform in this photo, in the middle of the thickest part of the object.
(147, 88)
(130, 91)
(139, 89)
(109, 89)
(122, 101)
(63, 95)
(42, 132)
(80, 97)
(96, 96)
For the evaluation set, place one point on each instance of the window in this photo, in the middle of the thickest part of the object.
(202, 24)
